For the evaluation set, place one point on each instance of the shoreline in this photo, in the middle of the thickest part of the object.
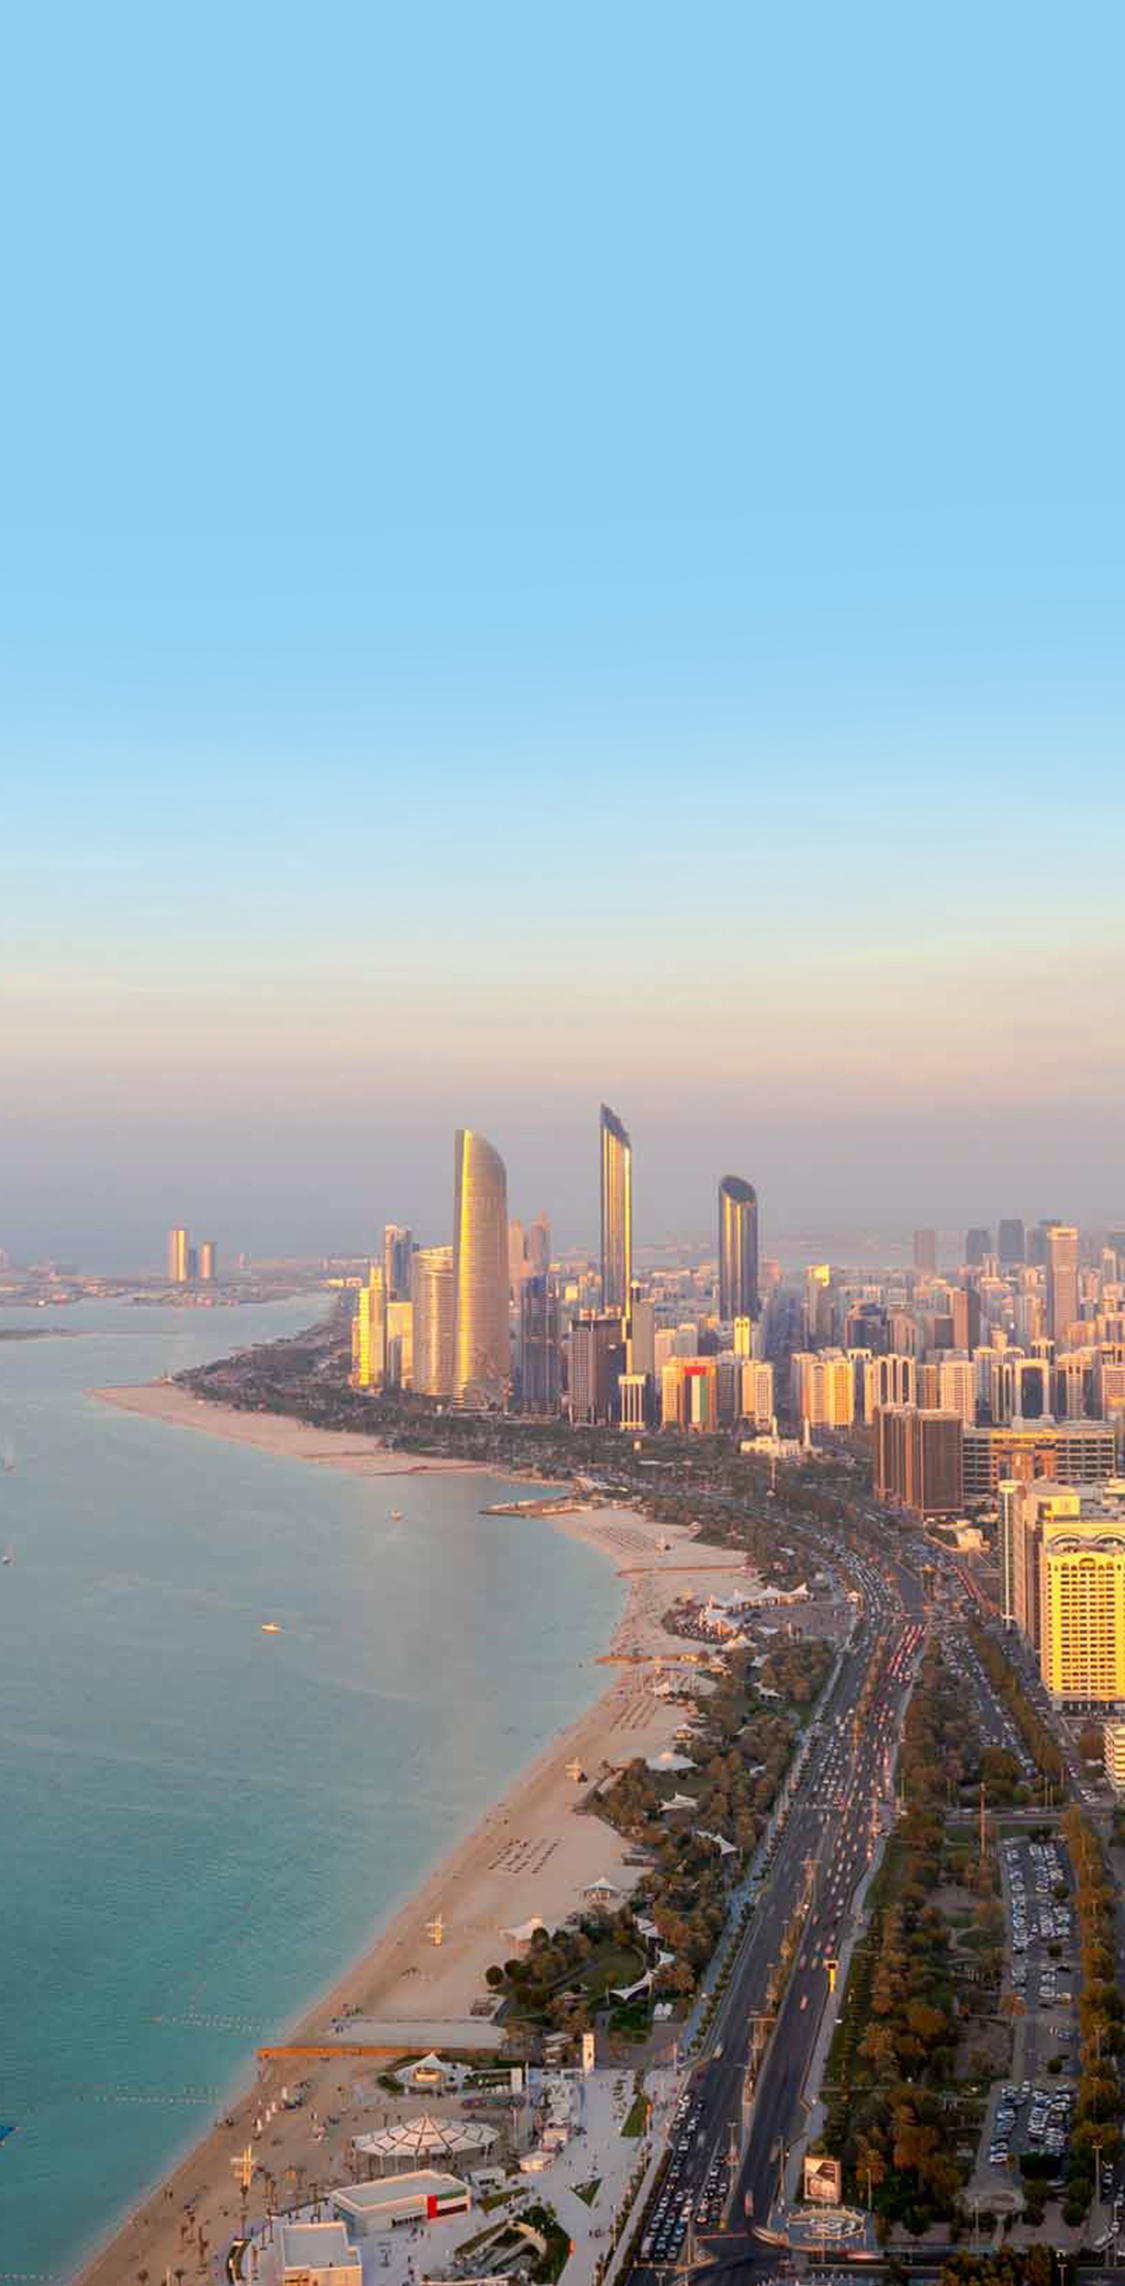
(525, 1854)
(279, 1433)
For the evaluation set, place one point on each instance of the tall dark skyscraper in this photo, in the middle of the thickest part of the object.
(738, 1249)
(396, 1262)
(978, 1246)
(1010, 1242)
(617, 1212)
(925, 1250)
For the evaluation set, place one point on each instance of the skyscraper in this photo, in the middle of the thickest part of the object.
(738, 1249)
(208, 1258)
(617, 1212)
(396, 1262)
(1010, 1242)
(1062, 1278)
(925, 1250)
(480, 1272)
(978, 1246)
(537, 1245)
(540, 1356)
(178, 1257)
(432, 1289)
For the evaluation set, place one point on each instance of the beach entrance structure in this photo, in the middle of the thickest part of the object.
(413, 2143)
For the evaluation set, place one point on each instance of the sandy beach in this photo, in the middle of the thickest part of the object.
(275, 1433)
(529, 1855)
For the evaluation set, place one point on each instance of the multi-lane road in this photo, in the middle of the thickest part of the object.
(819, 1859)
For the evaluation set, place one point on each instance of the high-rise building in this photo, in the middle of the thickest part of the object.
(537, 1246)
(889, 1380)
(957, 1389)
(1082, 1610)
(396, 1262)
(738, 1249)
(178, 1248)
(689, 1394)
(925, 1251)
(369, 1332)
(822, 1386)
(1062, 1278)
(208, 1260)
(597, 1362)
(978, 1247)
(1070, 1452)
(431, 1281)
(539, 1351)
(642, 1334)
(916, 1458)
(965, 1313)
(1010, 1242)
(400, 1345)
(617, 1213)
(481, 1351)
(632, 1394)
(1007, 1494)
(756, 1392)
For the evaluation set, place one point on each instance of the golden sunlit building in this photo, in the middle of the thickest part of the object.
(689, 1394)
(823, 1388)
(481, 1348)
(432, 1286)
(1082, 1610)
(617, 1212)
(369, 1332)
(400, 1344)
(178, 1257)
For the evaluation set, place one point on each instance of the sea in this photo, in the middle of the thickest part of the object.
(202, 1824)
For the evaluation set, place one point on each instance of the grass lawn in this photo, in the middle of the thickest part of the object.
(638, 2116)
(588, 2191)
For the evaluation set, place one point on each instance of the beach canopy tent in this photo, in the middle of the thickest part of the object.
(669, 1761)
(527, 1929)
(629, 1992)
(412, 2142)
(678, 1802)
(431, 2072)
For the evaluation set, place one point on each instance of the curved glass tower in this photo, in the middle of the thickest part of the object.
(738, 1249)
(480, 1272)
(617, 1213)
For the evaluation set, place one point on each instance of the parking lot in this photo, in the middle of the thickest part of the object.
(1033, 2110)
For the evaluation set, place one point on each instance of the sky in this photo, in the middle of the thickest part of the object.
(550, 553)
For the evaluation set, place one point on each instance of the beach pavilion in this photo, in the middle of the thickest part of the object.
(415, 2143)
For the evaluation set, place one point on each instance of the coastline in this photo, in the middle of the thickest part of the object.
(278, 1433)
(527, 1854)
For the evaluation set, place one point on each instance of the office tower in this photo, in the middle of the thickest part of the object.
(369, 1332)
(642, 1334)
(597, 1362)
(192, 1263)
(889, 1380)
(978, 1247)
(663, 1348)
(396, 1262)
(431, 1287)
(738, 1249)
(916, 1458)
(517, 1258)
(1010, 1242)
(1062, 1278)
(1035, 1245)
(1074, 1384)
(178, 1257)
(481, 1366)
(925, 1251)
(744, 1337)
(757, 1392)
(965, 1315)
(1006, 1495)
(822, 1388)
(957, 1391)
(1071, 1452)
(617, 1213)
(208, 1260)
(400, 1345)
(689, 1394)
(632, 1391)
(539, 1351)
(1082, 1610)
(537, 1246)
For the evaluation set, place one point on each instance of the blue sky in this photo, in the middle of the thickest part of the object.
(558, 552)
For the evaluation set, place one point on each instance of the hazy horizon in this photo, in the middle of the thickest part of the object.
(548, 557)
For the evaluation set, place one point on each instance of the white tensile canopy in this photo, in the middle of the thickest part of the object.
(414, 2142)
(524, 1934)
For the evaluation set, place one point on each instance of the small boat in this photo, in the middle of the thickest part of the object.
(7, 1557)
(270, 1627)
(396, 1516)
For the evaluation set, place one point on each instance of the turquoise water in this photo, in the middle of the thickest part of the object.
(200, 1820)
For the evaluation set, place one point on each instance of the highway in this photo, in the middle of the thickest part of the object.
(823, 1852)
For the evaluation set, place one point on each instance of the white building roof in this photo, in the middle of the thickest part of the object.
(416, 2138)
